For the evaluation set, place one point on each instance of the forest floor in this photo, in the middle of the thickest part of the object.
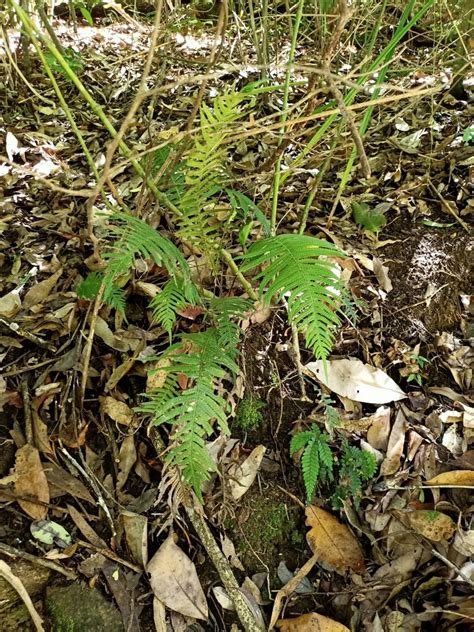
(94, 470)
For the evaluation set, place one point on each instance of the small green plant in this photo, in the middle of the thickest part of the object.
(356, 467)
(316, 460)
(73, 58)
(318, 465)
(417, 376)
(468, 136)
(249, 413)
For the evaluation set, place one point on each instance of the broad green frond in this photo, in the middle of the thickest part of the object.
(325, 454)
(192, 411)
(310, 467)
(89, 288)
(291, 266)
(114, 296)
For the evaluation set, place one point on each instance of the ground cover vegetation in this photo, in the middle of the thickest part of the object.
(235, 315)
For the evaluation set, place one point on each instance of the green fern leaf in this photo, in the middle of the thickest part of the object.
(325, 454)
(310, 468)
(291, 265)
(300, 439)
(191, 411)
(175, 295)
(137, 238)
(224, 311)
(113, 296)
(205, 173)
(89, 288)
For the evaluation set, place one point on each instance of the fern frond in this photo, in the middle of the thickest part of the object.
(137, 238)
(325, 454)
(205, 172)
(299, 440)
(113, 295)
(291, 266)
(174, 296)
(310, 467)
(224, 311)
(191, 411)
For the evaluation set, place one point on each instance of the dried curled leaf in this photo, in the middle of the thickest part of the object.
(333, 542)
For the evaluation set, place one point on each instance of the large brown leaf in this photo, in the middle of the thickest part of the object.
(31, 481)
(337, 549)
(175, 582)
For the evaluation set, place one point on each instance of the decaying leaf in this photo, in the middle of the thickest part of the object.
(136, 534)
(40, 291)
(10, 304)
(31, 481)
(454, 478)
(395, 446)
(334, 544)
(355, 380)
(116, 410)
(311, 622)
(242, 476)
(174, 581)
(433, 525)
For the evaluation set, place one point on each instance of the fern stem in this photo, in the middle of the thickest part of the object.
(225, 254)
(284, 114)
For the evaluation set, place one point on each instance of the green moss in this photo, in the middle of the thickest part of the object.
(270, 533)
(249, 413)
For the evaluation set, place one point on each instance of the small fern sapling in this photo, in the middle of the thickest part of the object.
(316, 458)
(356, 467)
(319, 466)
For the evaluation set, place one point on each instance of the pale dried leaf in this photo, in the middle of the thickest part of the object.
(103, 331)
(242, 476)
(136, 532)
(174, 581)
(311, 622)
(355, 380)
(395, 446)
(332, 542)
(127, 459)
(464, 542)
(31, 481)
(454, 478)
(433, 525)
(116, 410)
(10, 304)
(159, 616)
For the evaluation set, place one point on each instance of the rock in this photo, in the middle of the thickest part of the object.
(77, 608)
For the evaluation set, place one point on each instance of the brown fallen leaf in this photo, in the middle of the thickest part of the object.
(433, 525)
(333, 542)
(117, 410)
(456, 477)
(311, 622)
(41, 290)
(175, 582)
(31, 481)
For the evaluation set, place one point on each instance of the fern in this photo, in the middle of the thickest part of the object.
(291, 266)
(205, 173)
(113, 295)
(192, 410)
(316, 459)
(136, 238)
(175, 295)
(223, 312)
(357, 466)
(317, 465)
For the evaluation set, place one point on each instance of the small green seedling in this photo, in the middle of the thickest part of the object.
(418, 376)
